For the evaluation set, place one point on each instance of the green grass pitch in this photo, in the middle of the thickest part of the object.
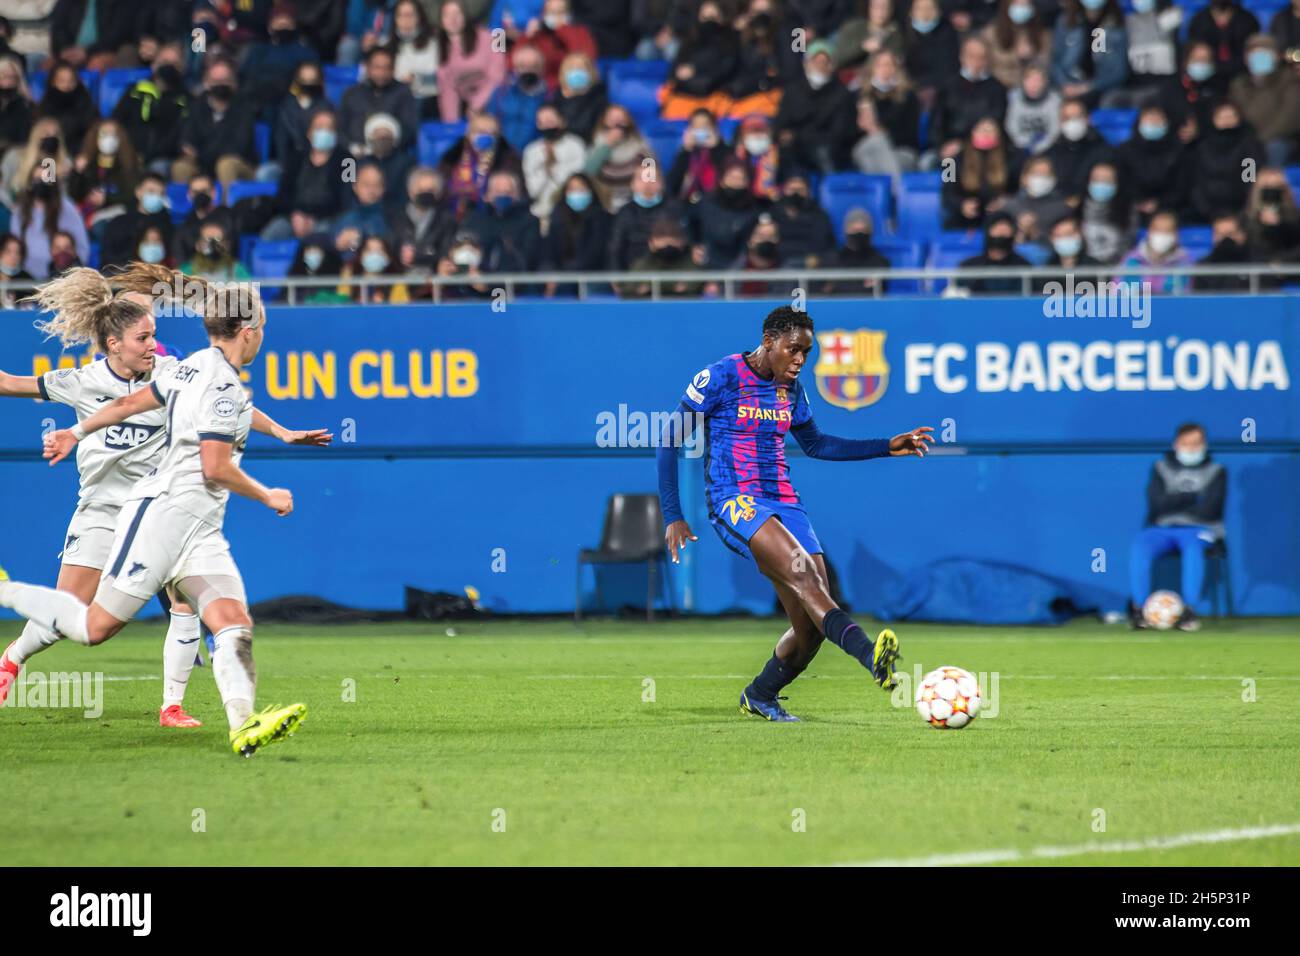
(518, 742)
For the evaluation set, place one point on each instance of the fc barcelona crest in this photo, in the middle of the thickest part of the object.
(851, 369)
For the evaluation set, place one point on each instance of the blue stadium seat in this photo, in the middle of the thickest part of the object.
(1293, 177)
(637, 92)
(1265, 10)
(1036, 254)
(948, 251)
(338, 79)
(242, 189)
(262, 136)
(114, 83)
(247, 244)
(436, 138)
(920, 214)
(94, 256)
(840, 192)
(902, 254)
(665, 137)
(727, 126)
(654, 70)
(271, 260)
(1115, 125)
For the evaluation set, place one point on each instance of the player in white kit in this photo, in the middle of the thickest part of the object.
(111, 461)
(170, 532)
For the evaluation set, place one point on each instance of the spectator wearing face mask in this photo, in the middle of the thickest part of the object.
(422, 227)
(69, 101)
(379, 92)
(1185, 506)
(1152, 28)
(105, 175)
(617, 156)
(757, 147)
(987, 169)
(1040, 203)
(816, 124)
(417, 60)
(705, 66)
(1160, 250)
(1217, 162)
(1080, 66)
(557, 36)
(1268, 98)
(64, 253)
(315, 186)
(153, 111)
(383, 133)
(632, 223)
(723, 220)
(806, 229)
(999, 252)
(932, 49)
(316, 258)
(1069, 254)
(467, 165)
(213, 258)
(1106, 214)
(509, 234)
(1033, 120)
(582, 98)
(1077, 149)
(698, 165)
(897, 114)
(1189, 95)
(16, 104)
(122, 233)
(12, 255)
(1231, 248)
(374, 260)
(217, 136)
(516, 102)
(858, 252)
(268, 66)
(666, 251)
(305, 98)
(1016, 38)
(152, 248)
(549, 161)
(1154, 164)
(463, 259)
(44, 144)
(1224, 27)
(1272, 220)
(203, 207)
(762, 254)
(967, 98)
(578, 239)
(469, 70)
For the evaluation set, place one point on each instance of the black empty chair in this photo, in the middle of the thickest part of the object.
(633, 534)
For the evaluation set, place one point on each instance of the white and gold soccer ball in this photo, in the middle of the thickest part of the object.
(1162, 610)
(948, 698)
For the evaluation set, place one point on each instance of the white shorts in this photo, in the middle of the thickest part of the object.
(91, 531)
(159, 544)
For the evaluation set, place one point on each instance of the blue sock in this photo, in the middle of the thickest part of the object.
(774, 677)
(844, 634)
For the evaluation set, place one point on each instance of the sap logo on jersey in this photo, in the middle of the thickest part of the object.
(126, 437)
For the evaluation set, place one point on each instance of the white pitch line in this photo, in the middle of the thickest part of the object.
(1118, 846)
(1105, 677)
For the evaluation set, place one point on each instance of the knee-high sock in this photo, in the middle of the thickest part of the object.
(178, 656)
(31, 641)
(233, 670)
(772, 679)
(56, 611)
(848, 636)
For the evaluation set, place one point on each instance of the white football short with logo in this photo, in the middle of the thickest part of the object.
(89, 540)
(158, 543)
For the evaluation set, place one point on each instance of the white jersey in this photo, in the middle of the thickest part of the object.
(204, 401)
(112, 459)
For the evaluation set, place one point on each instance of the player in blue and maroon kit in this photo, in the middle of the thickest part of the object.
(747, 403)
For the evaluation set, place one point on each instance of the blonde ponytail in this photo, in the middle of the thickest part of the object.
(84, 309)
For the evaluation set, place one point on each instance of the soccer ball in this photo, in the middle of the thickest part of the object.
(948, 698)
(1162, 610)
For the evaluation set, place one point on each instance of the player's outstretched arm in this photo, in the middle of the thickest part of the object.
(915, 442)
(18, 386)
(59, 444)
(817, 444)
(681, 425)
(219, 468)
(266, 425)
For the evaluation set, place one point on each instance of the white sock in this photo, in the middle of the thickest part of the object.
(178, 656)
(56, 611)
(233, 670)
(31, 641)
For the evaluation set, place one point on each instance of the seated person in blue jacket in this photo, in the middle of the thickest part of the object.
(1184, 513)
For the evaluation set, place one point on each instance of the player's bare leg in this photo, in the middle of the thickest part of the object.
(781, 558)
(77, 581)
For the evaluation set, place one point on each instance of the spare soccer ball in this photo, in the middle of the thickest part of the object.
(1162, 610)
(948, 698)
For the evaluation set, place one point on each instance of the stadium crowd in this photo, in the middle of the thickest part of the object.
(234, 115)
